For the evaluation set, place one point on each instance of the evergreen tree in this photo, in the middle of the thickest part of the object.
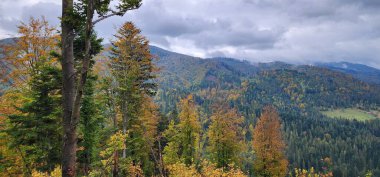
(90, 128)
(133, 70)
(34, 127)
(36, 132)
(91, 121)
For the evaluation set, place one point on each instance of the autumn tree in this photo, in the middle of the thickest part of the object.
(31, 50)
(183, 137)
(74, 18)
(31, 105)
(133, 71)
(224, 140)
(268, 145)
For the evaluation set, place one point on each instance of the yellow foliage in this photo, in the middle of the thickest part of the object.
(57, 172)
(9, 101)
(310, 173)
(208, 170)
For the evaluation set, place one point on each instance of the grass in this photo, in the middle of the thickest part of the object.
(352, 114)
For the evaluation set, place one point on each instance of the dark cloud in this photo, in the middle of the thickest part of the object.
(297, 31)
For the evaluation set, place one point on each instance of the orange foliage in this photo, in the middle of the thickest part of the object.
(269, 145)
(34, 46)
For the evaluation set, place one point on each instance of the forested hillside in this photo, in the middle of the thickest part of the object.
(147, 111)
(298, 92)
(359, 71)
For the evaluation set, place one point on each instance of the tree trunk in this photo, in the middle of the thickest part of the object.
(85, 62)
(68, 91)
(125, 121)
(115, 170)
(71, 106)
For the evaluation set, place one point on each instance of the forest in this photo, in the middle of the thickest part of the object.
(73, 104)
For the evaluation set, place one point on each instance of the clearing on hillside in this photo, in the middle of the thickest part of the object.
(352, 114)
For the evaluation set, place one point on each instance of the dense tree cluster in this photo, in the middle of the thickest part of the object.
(118, 114)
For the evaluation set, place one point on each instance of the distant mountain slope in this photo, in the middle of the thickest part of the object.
(5, 68)
(311, 88)
(178, 70)
(362, 72)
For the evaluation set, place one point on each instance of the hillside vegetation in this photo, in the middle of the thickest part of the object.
(180, 120)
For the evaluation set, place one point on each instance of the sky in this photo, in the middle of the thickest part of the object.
(293, 31)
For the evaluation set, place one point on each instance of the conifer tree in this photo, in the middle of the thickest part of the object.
(269, 146)
(36, 132)
(34, 127)
(133, 71)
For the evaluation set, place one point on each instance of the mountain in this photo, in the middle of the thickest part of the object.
(301, 94)
(363, 72)
(178, 70)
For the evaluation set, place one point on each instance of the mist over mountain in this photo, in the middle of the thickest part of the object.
(328, 110)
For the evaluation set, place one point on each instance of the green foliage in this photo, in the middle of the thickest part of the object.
(90, 128)
(114, 143)
(184, 136)
(36, 130)
(223, 135)
(299, 93)
(133, 72)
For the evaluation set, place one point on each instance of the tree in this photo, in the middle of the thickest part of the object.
(31, 50)
(269, 145)
(183, 137)
(74, 18)
(224, 141)
(90, 128)
(133, 71)
(36, 131)
(32, 128)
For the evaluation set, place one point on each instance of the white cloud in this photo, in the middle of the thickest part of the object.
(297, 31)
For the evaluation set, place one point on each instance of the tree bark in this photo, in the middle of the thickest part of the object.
(71, 106)
(68, 90)
(85, 62)
(115, 170)
(125, 122)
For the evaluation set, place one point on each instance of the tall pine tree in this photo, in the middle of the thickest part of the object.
(133, 71)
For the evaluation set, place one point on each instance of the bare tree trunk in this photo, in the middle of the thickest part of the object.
(115, 170)
(68, 90)
(125, 121)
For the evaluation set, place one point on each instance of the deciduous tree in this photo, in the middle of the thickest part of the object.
(224, 140)
(269, 146)
(183, 137)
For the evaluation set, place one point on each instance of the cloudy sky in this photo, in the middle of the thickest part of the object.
(295, 31)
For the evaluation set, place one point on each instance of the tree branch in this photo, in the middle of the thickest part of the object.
(121, 13)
